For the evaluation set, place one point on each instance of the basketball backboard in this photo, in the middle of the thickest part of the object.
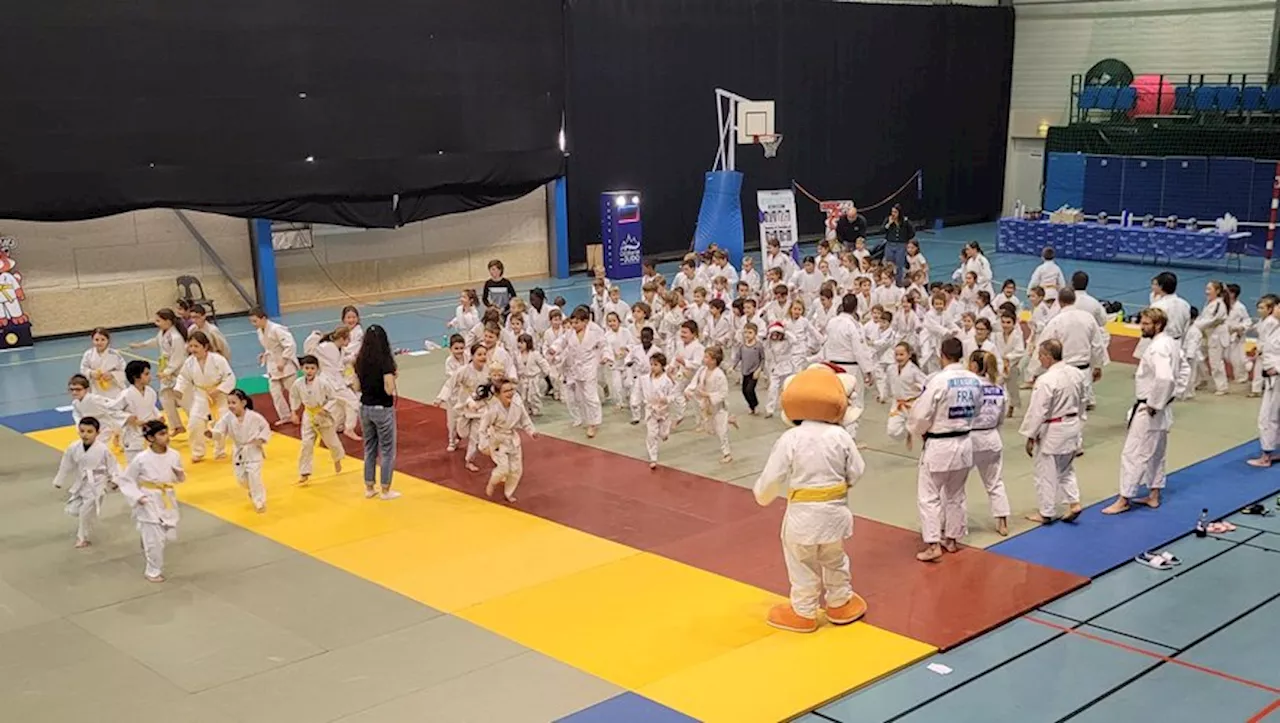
(755, 118)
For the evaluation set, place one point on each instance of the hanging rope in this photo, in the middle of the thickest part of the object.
(872, 207)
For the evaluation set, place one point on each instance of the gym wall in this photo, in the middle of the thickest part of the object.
(444, 252)
(118, 270)
(1054, 40)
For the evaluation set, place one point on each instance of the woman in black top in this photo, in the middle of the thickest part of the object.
(897, 232)
(376, 372)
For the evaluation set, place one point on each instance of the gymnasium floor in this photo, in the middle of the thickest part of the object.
(612, 593)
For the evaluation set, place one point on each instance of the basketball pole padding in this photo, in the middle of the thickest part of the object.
(720, 218)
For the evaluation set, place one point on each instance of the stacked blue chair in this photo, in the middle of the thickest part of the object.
(1183, 99)
(1253, 98)
(1273, 98)
(1228, 98)
(1107, 97)
(1089, 97)
(1206, 96)
(1127, 99)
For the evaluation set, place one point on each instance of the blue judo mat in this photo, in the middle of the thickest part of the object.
(1097, 543)
(627, 708)
(36, 421)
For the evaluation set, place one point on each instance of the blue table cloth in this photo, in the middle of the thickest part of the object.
(1098, 242)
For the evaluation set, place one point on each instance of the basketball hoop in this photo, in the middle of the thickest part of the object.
(769, 143)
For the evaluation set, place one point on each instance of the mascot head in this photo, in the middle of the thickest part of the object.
(821, 393)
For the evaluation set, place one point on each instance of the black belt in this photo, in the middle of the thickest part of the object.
(845, 364)
(1083, 367)
(983, 429)
(946, 435)
(1134, 411)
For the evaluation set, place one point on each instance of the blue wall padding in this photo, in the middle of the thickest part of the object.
(1264, 175)
(1186, 182)
(1103, 183)
(1143, 185)
(1230, 183)
(720, 218)
(1063, 182)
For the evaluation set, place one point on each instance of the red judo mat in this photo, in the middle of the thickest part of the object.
(718, 527)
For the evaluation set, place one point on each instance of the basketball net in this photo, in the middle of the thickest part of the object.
(769, 143)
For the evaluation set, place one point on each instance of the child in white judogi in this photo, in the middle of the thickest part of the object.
(823, 311)
(467, 314)
(314, 401)
(171, 340)
(206, 378)
(87, 468)
(935, 325)
(328, 350)
(550, 343)
(882, 339)
(1052, 428)
(1193, 352)
(669, 323)
(686, 358)
(988, 447)
(618, 341)
(1267, 371)
(148, 485)
(904, 383)
(504, 418)
(582, 350)
(709, 389)
(248, 432)
(1266, 326)
(1042, 310)
(533, 369)
(637, 367)
(749, 274)
(780, 360)
(457, 358)
(108, 411)
(103, 366)
(458, 393)
(1238, 324)
(200, 322)
(1008, 295)
(140, 403)
(1048, 276)
(1010, 349)
(654, 392)
(280, 358)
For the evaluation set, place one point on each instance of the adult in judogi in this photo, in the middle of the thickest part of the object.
(1052, 427)
(846, 346)
(1081, 339)
(1085, 302)
(1163, 373)
(943, 417)
(1164, 296)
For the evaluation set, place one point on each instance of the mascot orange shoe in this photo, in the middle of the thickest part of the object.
(815, 463)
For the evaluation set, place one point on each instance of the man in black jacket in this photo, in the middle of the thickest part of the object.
(851, 227)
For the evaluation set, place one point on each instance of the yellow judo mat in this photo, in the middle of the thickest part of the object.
(686, 638)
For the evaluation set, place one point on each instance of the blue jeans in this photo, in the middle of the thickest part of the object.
(378, 425)
(896, 254)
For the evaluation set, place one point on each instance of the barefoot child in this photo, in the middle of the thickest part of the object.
(206, 379)
(140, 403)
(279, 356)
(654, 392)
(109, 413)
(710, 390)
(103, 366)
(248, 432)
(171, 340)
(905, 383)
(534, 370)
(500, 428)
(88, 467)
(317, 398)
(988, 447)
(148, 485)
(457, 358)
(457, 393)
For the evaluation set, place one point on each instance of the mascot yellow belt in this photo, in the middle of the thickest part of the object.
(816, 464)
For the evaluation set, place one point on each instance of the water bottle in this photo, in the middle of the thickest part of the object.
(1202, 525)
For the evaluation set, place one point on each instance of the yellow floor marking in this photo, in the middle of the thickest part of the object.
(690, 639)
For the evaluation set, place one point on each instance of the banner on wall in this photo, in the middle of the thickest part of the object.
(778, 218)
(833, 210)
(15, 327)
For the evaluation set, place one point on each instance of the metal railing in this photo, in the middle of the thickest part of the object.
(1230, 97)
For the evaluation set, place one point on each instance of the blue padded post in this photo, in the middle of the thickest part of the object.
(720, 218)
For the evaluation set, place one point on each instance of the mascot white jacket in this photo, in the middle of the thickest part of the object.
(813, 465)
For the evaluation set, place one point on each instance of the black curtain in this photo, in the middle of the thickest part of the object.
(373, 114)
(866, 95)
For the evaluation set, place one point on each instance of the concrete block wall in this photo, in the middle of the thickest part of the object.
(117, 271)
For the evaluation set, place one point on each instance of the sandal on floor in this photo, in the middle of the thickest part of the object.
(1153, 561)
(1257, 509)
(1169, 557)
(1220, 527)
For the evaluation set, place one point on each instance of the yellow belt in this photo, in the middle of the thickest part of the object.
(4, 291)
(163, 363)
(830, 493)
(105, 383)
(163, 489)
(315, 412)
(903, 405)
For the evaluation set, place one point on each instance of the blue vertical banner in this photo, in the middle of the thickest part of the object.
(264, 256)
(720, 218)
(621, 234)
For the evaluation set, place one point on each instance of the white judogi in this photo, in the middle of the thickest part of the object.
(781, 261)
(457, 394)
(1178, 312)
(815, 463)
(684, 362)
(173, 353)
(280, 357)
(143, 406)
(148, 485)
(500, 435)
(332, 368)
(981, 268)
(217, 340)
(319, 403)
(710, 391)
(533, 369)
(1265, 329)
(109, 411)
(807, 285)
(654, 395)
(1048, 276)
(247, 457)
(1238, 323)
(845, 344)
(208, 385)
(988, 447)
(1011, 348)
(752, 277)
(582, 354)
(464, 319)
(1163, 373)
(943, 417)
(1053, 420)
(1213, 324)
(105, 372)
(87, 471)
(617, 344)
(1082, 345)
(781, 363)
(1268, 371)
(934, 327)
(904, 385)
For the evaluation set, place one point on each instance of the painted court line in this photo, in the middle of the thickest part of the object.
(1156, 656)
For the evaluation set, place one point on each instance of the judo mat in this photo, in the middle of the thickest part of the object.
(1221, 484)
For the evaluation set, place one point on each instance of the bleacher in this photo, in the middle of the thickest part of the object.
(1236, 97)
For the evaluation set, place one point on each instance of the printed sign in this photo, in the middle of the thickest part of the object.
(778, 218)
(15, 327)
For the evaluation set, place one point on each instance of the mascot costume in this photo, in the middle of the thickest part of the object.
(815, 463)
